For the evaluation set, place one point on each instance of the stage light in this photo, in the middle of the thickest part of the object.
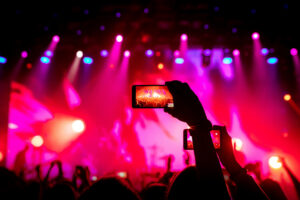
(207, 52)
(45, 60)
(184, 37)
(2, 60)
(78, 126)
(118, 14)
(48, 53)
(119, 38)
(37, 141)
(146, 10)
(79, 54)
(237, 143)
(236, 52)
(160, 66)
(122, 174)
(88, 60)
(179, 60)
(255, 36)
(128, 158)
(274, 162)
(94, 178)
(12, 126)
(24, 54)
(227, 60)
(149, 53)
(1, 156)
(104, 53)
(264, 51)
(294, 51)
(272, 60)
(287, 97)
(127, 53)
(176, 53)
(55, 38)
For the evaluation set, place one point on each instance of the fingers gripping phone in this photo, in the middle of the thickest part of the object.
(151, 96)
(214, 133)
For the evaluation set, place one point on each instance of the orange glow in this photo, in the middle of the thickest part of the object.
(37, 141)
(160, 66)
(287, 97)
(274, 162)
(1, 156)
(78, 126)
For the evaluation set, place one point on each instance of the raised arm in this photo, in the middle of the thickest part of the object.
(188, 108)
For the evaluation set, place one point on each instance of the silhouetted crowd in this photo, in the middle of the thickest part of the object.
(204, 180)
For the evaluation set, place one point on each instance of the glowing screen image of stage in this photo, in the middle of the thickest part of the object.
(155, 96)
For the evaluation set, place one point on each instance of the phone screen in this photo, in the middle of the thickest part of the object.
(151, 96)
(188, 141)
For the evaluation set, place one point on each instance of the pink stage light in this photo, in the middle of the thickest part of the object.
(78, 126)
(37, 141)
(255, 36)
(127, 53)
(184, 37)
(236, 52)
(274, 162)
(12, 126)
(119, 38)
(176, 53)
(24, 54)
(55, 38)
(294, 51)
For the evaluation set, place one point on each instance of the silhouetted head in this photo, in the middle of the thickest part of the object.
(272, 189)
(11, 186)
(155, 191)
(61, 191)
(110, 188)
(185, 185)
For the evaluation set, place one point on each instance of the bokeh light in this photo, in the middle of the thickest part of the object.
(55, 38)
(236, 52)
(272, 60)
(294, 51)
(184, 37)
(79, 54)
(78, 126)
(160, 66)
(274, 162)
(227, 60)
(37, 141)
(119, 38)
(287, 97)
(255, 36)
(45, 60)
(24, 54)
(88, 60)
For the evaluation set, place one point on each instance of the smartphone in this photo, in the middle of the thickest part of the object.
(188, 141)
(151, 96)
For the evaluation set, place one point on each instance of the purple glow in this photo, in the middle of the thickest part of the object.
(207, 52)
(56, 38)
(24, 54)
(127, 53)
(255, 36)
(118, 14)
(236, 52)
(119, 38)
(184, 37)
(179, 60)
(206, 26)
(176, 53)
(49, 53)
(146, 10)
(294, 51)
(149, 53)
(104, 53)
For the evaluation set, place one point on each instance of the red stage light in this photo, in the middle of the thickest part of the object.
(78, 126)
(287, 97)
(37, 141)
(160, 66)
(274, 162)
